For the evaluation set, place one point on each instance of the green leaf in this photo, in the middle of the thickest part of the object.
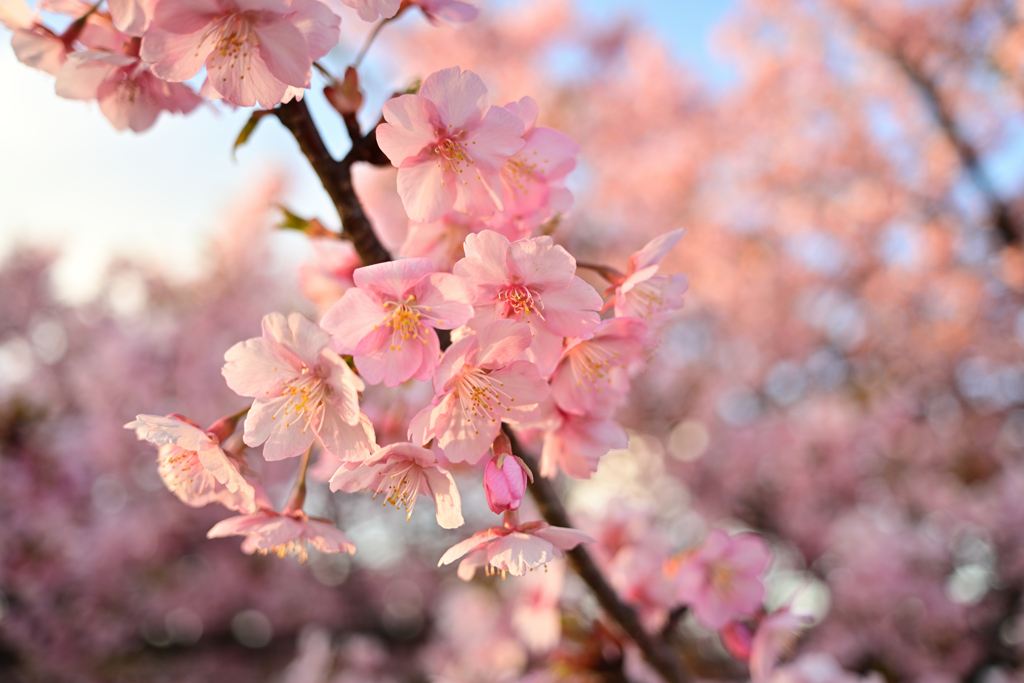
(247, 130)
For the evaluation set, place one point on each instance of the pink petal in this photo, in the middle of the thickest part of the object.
(282, 439)
(356, 323)
(393, 280)
(446, 497)
(427, 191)
(517, 553)
(499, 136)
(655, 250)
(347, 442)
(283, 49)
(460, 97)
(259, 367)
(562, 538)
(394, 362)
(542, 264)
(176, 57)
(351, 477)
(486, 263)
(448, 299)
(343, 386)
(500, 342)
(411, 126)
(327, 538)
(319, 26)
(298, 334)
(572, 312)
(463, 547)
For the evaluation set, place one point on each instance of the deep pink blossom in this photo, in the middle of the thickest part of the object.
(721, 580)
(533, 282)
(402, 472)
(513, 549)
(504, 478)
(253, 49)
(449, 146)
(129, 95)
(192, 464)
(288, 533)
(592, 376)
(643, 293)
(302, 388)
(478, 386)
(387, 321)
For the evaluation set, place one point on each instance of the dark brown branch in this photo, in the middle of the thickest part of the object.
(1007, 229)
(656, 651)
(336, 177)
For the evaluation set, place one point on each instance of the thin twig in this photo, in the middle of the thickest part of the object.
(657, 652)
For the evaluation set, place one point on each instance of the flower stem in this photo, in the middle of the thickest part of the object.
(298, 497)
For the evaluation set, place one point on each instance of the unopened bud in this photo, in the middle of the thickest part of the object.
(223, 428)
(738, 639)
(504, 480)
(345, 96)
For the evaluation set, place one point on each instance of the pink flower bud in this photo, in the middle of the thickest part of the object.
(346, 96)
(504, 483)
(738, 638)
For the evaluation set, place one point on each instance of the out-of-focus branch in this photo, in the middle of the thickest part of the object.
(657, 652)
(336, 177)
(1007, 229)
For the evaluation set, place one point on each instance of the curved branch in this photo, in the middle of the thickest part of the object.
(657, 652)
(336, 177)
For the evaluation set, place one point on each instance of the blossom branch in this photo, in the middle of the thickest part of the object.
(658, 654)
(336, 177)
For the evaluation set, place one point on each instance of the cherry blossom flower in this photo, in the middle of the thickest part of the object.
(514, 549)
(253, 49)
(533, 178)
(403, 472)
(129, 95)
(371, 10)
(302, 388)
(504, 478)
(536, 617)
(533, 282)
(593, 374)
(721, 580)
(449, 146)
(478, 386)
(192, 464)
(441, 240)
(387, 321)
(775, 637)
(575, 444)
(642, 293)
(288, 533)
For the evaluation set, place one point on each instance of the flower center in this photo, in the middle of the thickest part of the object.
(404, 321)
(235, 43)
(451, 153)
(520, 302)
(592, 362)
(480, 396)
(722, 578)
(400, 486)
(305, 397)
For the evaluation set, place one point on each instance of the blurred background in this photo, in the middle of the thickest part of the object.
(846, 379)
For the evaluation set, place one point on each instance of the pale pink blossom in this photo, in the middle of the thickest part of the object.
(448, 11)
(371, 10)
(721, 580)
(328, 274)
(592, 376)
(15, 14)
(303, 390)
(387, 322)
(449, 146)
(253, 49)
(402, 472)
(441, 240)
(131, 16)
(536, 617)
(514, 549)
(288, 533)
(504, 478)
(642, 292)
(192, 464)
(533, 178)
(478, 386)
(532, 282)
(37, 47)
(129, 95)
(575, 444)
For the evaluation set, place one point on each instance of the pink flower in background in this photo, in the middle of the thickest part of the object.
(441, 240)
(371, 10)
(131, 16)
(532, 282)
(192, 464)
(721, 580)
(533, 178)
(328, 274)
(643, 293)
(253, 49)
(775, 637)
(513, 549)
(129, 95)
(504, 478)
(449, 146)
(302, 388)
(593, 374)
(403, 472)
(387, 321)
(536, 617)
(576, 443)
(479, 386)
(288, 533)
(448, 11)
